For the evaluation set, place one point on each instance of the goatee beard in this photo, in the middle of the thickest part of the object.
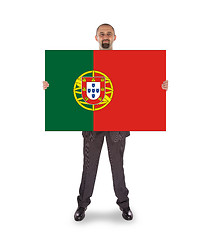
(105, 45)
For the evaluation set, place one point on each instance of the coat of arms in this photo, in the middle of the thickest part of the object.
(93, 90)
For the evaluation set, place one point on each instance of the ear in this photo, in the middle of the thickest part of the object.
(114, 37)
(96, 38)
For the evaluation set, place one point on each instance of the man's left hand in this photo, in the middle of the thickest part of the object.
(165, 85)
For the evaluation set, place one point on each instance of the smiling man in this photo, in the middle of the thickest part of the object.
(93, 142)
(105, 35)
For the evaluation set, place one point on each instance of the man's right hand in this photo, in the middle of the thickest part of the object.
(45, 85)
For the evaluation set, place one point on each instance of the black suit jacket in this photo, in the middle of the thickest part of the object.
(115, 135)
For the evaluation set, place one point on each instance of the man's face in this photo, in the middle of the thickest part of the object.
(105, 36)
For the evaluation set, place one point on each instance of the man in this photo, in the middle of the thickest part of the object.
(93, 142)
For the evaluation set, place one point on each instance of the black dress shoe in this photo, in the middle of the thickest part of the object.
(127, 213)
(79, 214)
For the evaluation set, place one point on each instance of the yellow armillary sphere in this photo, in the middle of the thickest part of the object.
(93, 90)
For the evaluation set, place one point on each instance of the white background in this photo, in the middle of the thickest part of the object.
(167, 173)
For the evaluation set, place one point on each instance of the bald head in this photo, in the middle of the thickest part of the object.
(105, 24)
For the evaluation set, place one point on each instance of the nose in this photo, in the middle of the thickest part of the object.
(106, 36)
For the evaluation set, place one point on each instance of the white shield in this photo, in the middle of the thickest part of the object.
(93, 90)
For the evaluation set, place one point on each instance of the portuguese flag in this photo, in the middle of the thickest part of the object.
(99, 90)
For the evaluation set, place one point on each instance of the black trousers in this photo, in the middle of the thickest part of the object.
(92, 150)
